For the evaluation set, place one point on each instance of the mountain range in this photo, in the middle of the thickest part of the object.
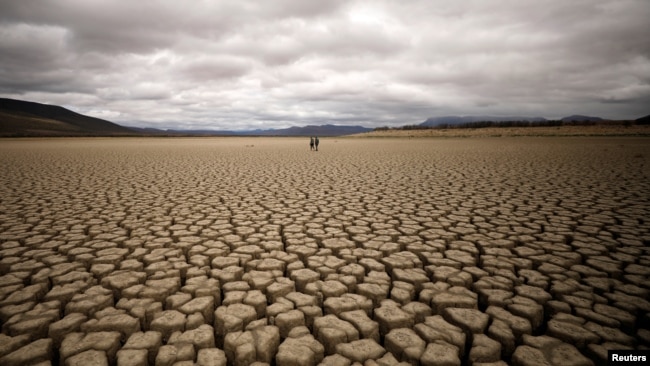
(322, 130)
(581, 118)
(23, 118)
(458, 120)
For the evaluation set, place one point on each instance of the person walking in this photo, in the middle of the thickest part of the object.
(311, 143)
(316, 143)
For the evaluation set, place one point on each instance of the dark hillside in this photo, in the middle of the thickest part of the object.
(643, 120)
(22, 118)
(581, 118)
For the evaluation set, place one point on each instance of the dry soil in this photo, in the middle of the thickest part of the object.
(222, 251)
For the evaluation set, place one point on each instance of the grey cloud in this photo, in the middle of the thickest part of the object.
(92, 25)
(210, 68)
(231, 64)
(33, 57)
(138, 91)
(142, 26)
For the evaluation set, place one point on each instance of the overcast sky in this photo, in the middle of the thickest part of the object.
(279, 63)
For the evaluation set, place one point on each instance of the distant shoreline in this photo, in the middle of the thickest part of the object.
(603, 130)
(554, 131)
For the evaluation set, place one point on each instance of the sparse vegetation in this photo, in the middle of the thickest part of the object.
(511, 124)
(518, 128)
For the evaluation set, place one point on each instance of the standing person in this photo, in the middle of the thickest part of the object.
(316, 142)
(311, 143)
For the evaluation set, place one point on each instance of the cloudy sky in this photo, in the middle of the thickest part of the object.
(238, 64)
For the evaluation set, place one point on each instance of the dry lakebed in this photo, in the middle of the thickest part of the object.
(371, 251)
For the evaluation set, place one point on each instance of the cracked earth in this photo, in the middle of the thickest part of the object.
(236, 251)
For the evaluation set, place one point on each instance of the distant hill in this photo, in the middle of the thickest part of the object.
(643, 120)
(457, 120)
(581, 118)
(322, 130)
(150, 131)
(22, 118)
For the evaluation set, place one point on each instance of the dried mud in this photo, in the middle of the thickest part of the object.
(215, 251)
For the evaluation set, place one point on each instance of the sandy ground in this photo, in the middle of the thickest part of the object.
(236, 250)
